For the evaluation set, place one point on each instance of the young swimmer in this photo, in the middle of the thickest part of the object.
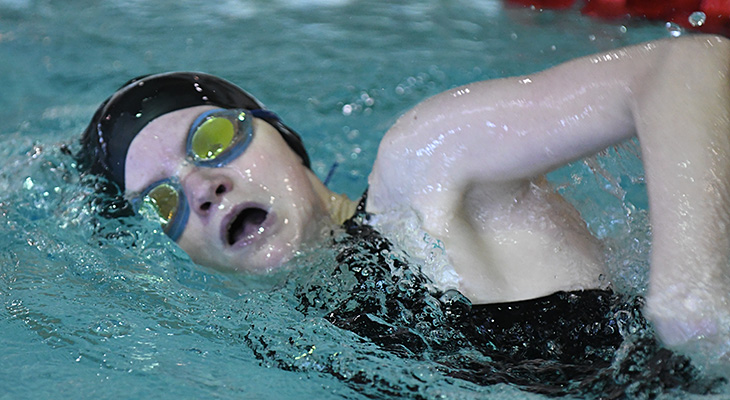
(231, 185)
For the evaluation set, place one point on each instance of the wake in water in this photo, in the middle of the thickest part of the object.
(114, 298)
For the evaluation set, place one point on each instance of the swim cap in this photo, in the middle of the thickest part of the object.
(122, 116)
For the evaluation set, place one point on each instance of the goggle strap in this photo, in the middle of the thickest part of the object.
(264, 114)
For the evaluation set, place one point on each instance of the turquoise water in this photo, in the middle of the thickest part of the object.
(125, 314)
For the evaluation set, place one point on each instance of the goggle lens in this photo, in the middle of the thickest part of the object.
(219, 136)
(165, 203)
(163, 199)
(212, 137)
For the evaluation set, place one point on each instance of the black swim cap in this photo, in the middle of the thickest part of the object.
(123, 115)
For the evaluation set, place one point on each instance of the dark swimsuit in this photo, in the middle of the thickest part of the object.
(562, 344)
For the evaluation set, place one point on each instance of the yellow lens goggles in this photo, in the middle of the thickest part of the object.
(164, 202)
(218, 136)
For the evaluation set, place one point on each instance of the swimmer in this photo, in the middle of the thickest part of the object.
(231, 184)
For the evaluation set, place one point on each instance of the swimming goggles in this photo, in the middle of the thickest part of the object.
(216, 137)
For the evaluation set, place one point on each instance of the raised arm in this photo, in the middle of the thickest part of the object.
(516, 128)
(682, 115)
(673, 94)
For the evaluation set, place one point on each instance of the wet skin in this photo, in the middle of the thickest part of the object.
(469, 162)
(487, 141)
(254, 213)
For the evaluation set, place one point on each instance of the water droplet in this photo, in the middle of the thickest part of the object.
(36, 151)
(697, 18)
(347, 109)
(591, 37)
(423, 326)
(369, 101)
(674, 29)
(28, 184)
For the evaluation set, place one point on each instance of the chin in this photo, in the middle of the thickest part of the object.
(269, 257)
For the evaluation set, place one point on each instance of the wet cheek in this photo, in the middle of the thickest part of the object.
(290, 186)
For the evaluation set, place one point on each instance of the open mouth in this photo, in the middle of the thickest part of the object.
(248, 223)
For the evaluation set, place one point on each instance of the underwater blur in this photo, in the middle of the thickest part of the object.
(92, 307)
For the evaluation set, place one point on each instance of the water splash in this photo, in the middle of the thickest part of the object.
(674, 29)
(697, 18)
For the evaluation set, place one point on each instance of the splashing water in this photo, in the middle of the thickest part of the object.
(674, 29)
(110, 307)
(697, 18)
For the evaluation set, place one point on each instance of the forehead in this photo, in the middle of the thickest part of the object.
(159, 148)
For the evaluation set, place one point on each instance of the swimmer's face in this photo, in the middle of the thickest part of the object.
(253, 213)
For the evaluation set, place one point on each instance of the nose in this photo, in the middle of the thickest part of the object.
(206, 189)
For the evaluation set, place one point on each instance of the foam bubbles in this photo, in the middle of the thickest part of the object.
(403, 227)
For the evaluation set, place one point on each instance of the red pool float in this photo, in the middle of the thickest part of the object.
(711, 16)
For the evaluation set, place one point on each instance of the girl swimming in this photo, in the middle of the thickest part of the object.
(230, 183)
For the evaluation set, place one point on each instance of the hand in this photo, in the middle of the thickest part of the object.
(693, 320)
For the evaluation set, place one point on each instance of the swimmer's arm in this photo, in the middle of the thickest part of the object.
(673, 94)
(510, 129)
(683, 123)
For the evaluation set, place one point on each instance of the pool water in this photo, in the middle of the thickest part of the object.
(96, 308)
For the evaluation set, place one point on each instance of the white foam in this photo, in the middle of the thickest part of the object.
(403, 228)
